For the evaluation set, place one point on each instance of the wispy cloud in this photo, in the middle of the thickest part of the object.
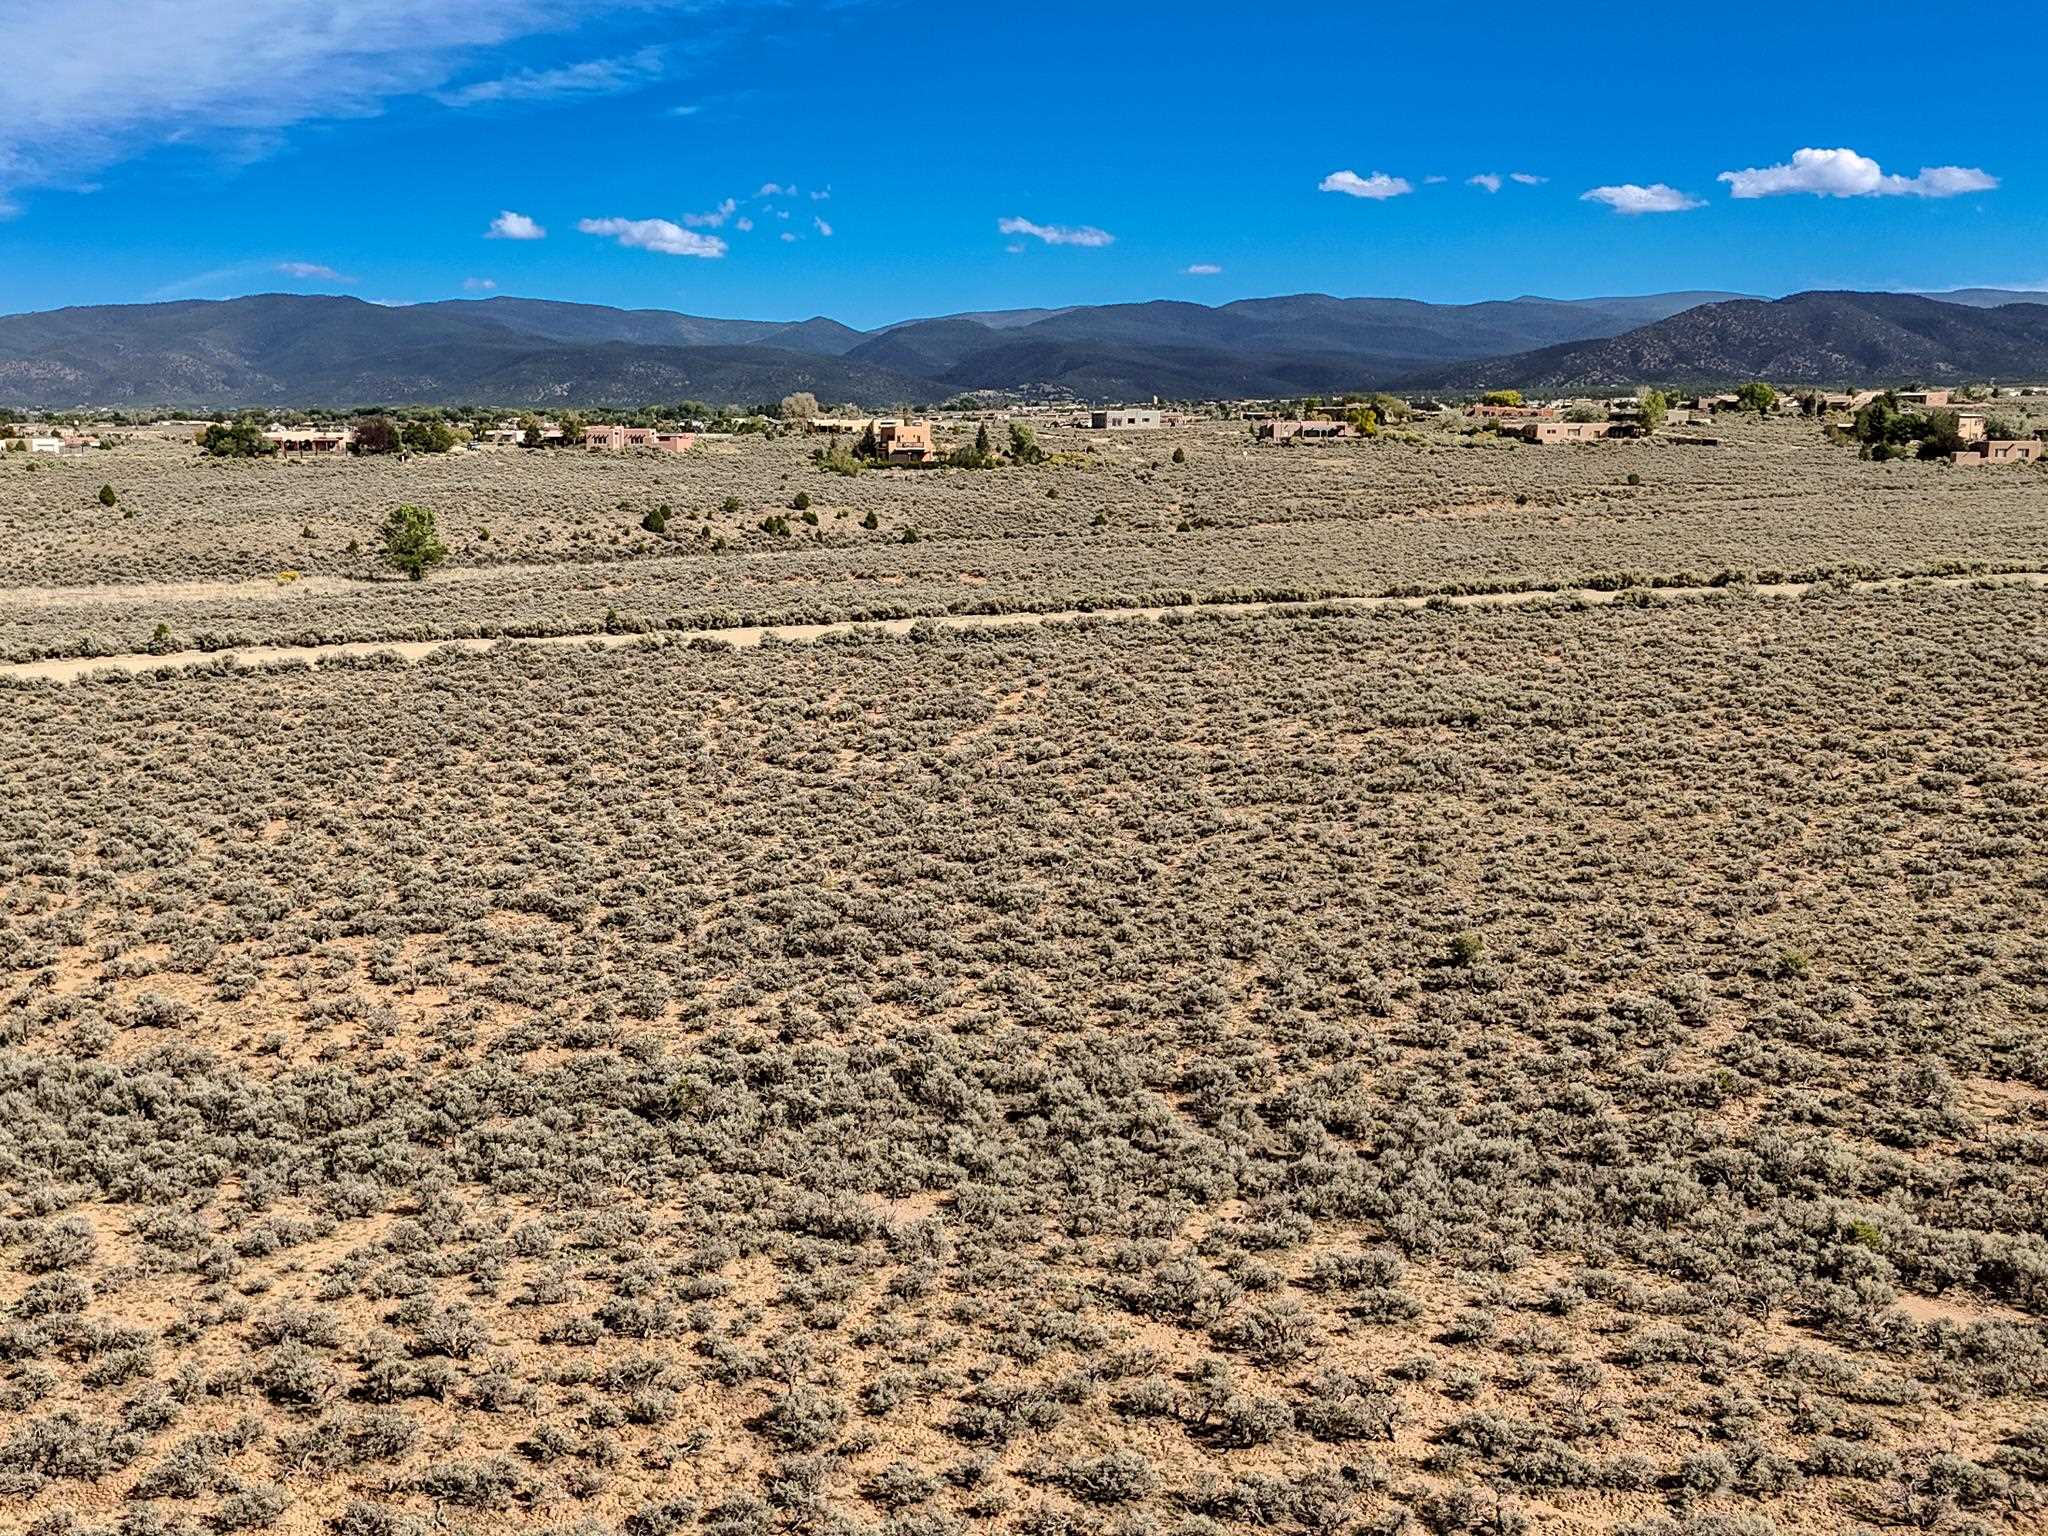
(477, 285)
(822, 227)
(659, 235)
(1845, 173)
(1378, 186)
(715, 219)
(591, 77)
(311, 272)
(1631, 199)
(107, 79)
(514, 226)
(1527, 179)
(1485, 180)
(1201, 269)
(775, 189)
(1056, 234)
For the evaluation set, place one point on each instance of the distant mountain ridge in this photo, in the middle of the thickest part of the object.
(1806, 338)
(292, 349)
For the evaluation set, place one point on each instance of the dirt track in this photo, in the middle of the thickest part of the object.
(72, 669)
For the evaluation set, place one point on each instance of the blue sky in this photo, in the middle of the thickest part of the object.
(954, 158)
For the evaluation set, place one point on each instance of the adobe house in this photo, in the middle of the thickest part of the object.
(905, 442)
(1971, 427)
(327, 440)
(601, 437)
(1927, 399)
(1123, 419)
(1307, 431)
(1518, 413)
(2001, 450)
(1572, 431)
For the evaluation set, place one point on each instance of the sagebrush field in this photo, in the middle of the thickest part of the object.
(1555, 1068)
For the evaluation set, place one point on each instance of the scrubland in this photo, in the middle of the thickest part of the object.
(552, 543)
(1559, 1068)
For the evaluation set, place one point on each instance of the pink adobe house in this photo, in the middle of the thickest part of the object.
(607, 437)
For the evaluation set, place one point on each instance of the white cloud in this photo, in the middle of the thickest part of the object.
(1057, 234)
(107, 79)
(1015, 248)
(823, 228)
(591, 77)
(659, 235)
(1434, 181)
(776, 189)
(1631, 199)
(311, 272)
(788, 238)
(1378, 186)
(819, 197)
(1202, 269)
(1527, 179)
(743, 225)
(477, 285)
(1845, 173)
(690, 109)
(514, 226)
(715, 218)
(1486, 179)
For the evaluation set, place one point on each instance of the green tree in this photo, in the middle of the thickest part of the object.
(1501, 397)
(235, 440)
(531, 433)
(428, 436)
(1656, 405)
(410, 543)
(1756, 396)
(107, 496)
(1940, 434)
(376, 434)
(801, 408)
(656, 521)
(1024, 447)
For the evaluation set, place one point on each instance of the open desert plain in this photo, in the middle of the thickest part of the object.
(1190, 988)
(867, 768)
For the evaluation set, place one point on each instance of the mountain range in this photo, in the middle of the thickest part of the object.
(1808, 338)
(289, 349)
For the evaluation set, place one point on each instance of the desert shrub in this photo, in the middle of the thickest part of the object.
(1120, 1477)
(490, 1482)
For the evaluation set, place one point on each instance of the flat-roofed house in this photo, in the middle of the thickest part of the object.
(1516, 413)
(1125, 419)
(2001, 450)
(1927, 399)
(1971, 426)
(905, 442)
(1307, 431)
(325, 440)
(608, 437)
(1573, 431)
(62, 444)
